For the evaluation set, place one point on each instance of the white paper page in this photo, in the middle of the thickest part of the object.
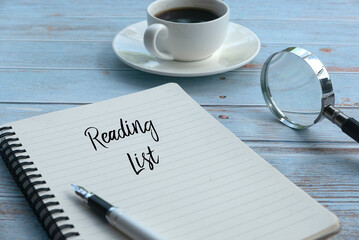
(207, 184)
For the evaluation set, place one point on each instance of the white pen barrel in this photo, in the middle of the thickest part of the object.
(130, 227)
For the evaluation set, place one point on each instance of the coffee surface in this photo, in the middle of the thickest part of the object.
(187, 15)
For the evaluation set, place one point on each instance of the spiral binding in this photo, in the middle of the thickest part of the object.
(27, 179)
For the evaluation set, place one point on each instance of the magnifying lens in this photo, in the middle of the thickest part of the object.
(298, 91)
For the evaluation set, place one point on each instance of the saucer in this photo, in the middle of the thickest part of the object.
(240, 47)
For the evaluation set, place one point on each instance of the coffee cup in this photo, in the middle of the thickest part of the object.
(185, 30)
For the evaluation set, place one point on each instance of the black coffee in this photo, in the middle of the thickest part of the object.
(187, 15)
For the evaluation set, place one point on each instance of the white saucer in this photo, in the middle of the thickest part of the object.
(240, 47)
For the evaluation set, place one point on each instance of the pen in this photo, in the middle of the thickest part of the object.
(115, 217)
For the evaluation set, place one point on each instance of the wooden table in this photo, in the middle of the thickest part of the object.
(57, 54)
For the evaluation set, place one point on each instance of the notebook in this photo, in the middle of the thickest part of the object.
(162, 159)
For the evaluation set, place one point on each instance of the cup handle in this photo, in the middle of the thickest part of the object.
(150, 38)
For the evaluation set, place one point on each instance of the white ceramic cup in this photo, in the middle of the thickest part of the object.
(185, 41)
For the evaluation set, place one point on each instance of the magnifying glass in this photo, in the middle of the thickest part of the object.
(298, 91)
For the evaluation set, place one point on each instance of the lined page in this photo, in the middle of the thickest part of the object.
(181, 173)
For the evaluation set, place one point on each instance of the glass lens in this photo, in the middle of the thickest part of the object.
(293, 91)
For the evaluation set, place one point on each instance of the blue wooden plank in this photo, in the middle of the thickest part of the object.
(82, 86)
(248, 123)
(17, 221)
(279, 9)
(104, 29)
(99, 55)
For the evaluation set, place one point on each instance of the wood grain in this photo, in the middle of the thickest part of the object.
(17, 221)
(99, 55)
(257, 9)
(269, 31)
(248, 123)
(239, 88)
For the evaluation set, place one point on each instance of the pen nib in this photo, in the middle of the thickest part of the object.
(81, 192)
